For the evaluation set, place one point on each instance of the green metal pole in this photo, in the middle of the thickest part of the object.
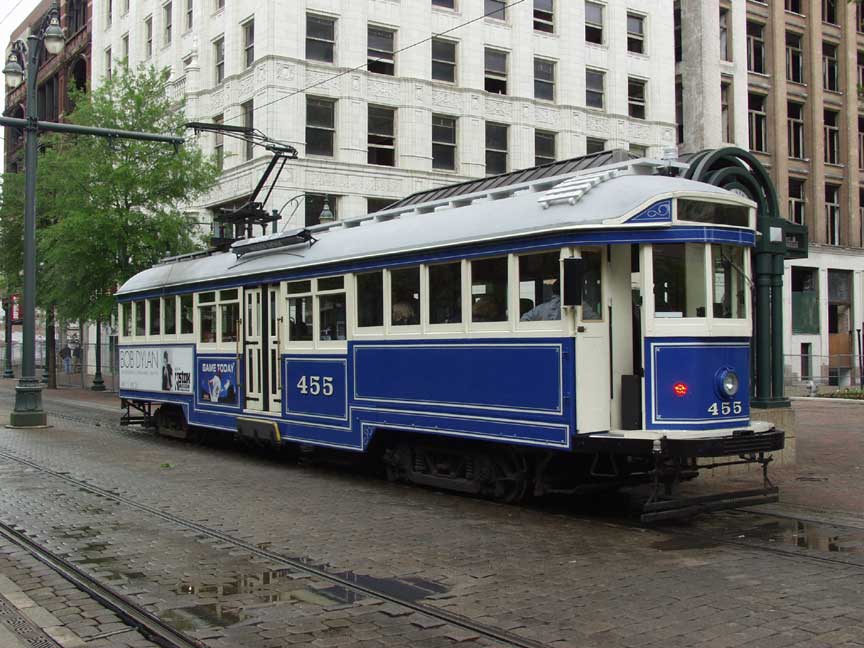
(98, 382)
(28, 410)
(777, 365)
(763, 328)
(7, 371)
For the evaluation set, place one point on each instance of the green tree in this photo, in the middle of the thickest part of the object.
(109, 208)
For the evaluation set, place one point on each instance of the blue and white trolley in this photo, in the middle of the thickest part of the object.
(583, 330)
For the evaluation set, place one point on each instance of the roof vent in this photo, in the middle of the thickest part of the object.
(571, 191)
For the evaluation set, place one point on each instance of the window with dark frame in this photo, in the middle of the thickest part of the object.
(797, 200)
(676, 28)
(859, 18)
(795, 130)
(860, 65)
(443, 60)
(832, 214)
(679, 110)
(108, 69)
(248, 110)
(167, 14)
(794, 58)
(758, 122)
(148, 37)
(725, 49)
(755, 47)
(495, 71)
(860, 143)
(726, 112)
(831, 119)
(443, 142)
(635, 33)
(320, 126)
(829, 11)
(496, 9)
(544, 147)
(830, 68)
(636, 98)
(219, 59)
(544, 79)
(594, 23)
(794, 6)
(248, 43)
(314, 204)
(219, 144)
(595, 82)
(544, 16)
(594, 145)
(381, 57)
(189, 14)
(382, 136)
(446, 4)
(496, 148)
(320, 38)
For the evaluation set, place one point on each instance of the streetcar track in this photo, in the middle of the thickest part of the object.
(621, 523)
(134, 615)
(446, 616)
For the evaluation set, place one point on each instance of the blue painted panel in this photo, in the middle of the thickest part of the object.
(315, 386)
(507, 377)
(659, 212)
(555, 435)
(695, 362)
(217, 382)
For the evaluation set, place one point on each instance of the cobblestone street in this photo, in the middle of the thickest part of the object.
(214, 540)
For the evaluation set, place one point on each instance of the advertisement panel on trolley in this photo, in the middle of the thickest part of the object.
(156, 368)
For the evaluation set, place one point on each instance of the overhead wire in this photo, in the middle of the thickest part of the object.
(356, 68)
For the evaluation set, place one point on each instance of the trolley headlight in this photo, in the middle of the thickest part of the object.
(728, 382)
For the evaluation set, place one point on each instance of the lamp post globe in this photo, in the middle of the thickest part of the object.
(13, 71)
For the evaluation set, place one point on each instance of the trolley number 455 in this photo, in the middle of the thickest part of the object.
(725, 408)
(315, 385)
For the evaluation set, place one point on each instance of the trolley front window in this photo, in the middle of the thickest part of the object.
(679, 280)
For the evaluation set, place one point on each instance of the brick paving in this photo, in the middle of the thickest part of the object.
(552, 577)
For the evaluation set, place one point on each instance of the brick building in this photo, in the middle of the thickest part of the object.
(55, 72)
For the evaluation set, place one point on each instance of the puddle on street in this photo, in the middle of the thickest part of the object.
(784, 532)
(806, 535)
(198, 617)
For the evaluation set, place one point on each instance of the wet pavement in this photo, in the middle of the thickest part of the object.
(241, 549)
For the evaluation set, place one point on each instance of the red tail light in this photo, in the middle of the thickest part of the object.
(680, 389)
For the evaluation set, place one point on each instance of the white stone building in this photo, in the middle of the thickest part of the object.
(551, 79)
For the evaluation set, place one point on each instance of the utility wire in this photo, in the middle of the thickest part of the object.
(11, 11)
(398, 51)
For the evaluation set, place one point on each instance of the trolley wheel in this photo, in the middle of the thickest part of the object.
(506, 476)
(170, 422)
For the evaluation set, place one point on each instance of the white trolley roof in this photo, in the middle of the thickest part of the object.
(601, 198)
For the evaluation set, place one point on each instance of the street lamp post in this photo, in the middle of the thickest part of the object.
(7, 370)
(28, 410)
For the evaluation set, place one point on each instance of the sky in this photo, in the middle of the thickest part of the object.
(12, 13)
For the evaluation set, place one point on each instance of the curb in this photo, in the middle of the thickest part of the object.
(824, 399)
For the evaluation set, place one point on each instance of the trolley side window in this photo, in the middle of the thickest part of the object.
(489, 290)
(207, 317)
(679, 280)
(169, 316)
(728, 282)
(445, 293)
(370, 299)
(330, 293)
(405, 297)
(140, 319)
(187, 315)
(540, 287)
(155, 317)
(300, 318)
(126, 318)
(229, 315)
